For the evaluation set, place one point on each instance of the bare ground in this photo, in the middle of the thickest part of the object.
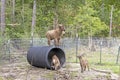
(71, 71)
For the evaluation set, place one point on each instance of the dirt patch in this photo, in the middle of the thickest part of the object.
(71, 71)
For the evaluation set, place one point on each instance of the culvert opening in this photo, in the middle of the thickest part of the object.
(42, 56)
(59, 53)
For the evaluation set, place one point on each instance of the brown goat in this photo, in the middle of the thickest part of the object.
(55, 64)
(55, 34)
(83, 63)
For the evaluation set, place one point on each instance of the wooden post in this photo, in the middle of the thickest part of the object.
(118, 55)
(76, 46)
(100, 52)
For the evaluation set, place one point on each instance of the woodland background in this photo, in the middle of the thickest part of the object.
(85, 18)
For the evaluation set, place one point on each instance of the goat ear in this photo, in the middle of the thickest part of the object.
(61, 27)
(60, 24)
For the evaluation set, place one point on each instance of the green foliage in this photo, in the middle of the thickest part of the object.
(87, 23)
(88, 18)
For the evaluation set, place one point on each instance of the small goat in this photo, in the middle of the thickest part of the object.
(83, 63)
(55, 64)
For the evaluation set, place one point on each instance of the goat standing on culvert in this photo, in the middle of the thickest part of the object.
(55, 34)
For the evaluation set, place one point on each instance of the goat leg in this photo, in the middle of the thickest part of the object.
(49, 42)
(56, 42)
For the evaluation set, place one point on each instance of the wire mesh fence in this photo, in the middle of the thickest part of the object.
(71, 46)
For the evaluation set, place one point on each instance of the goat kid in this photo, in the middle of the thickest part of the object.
(83, 63)
(55, 64)
(55, 35)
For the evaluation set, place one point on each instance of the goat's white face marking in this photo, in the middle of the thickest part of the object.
(54, 61)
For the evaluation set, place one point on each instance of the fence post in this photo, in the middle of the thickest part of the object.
(8, 46)
(100, 52)
(76, 46)
(118, 55)
(31, 42)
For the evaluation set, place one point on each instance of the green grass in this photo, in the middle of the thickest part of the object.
(1, 78)
(49, 75)
(113, 68)
(107, 62)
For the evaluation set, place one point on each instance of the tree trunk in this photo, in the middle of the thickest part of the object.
(33, 20)
(110, 32)
(2, 17)
(13, 11)
(55, 20)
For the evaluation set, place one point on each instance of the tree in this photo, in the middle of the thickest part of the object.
(33, 20)
(88, 24)
(2, 17)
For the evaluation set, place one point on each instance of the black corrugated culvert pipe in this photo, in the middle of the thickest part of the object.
(42, 56)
